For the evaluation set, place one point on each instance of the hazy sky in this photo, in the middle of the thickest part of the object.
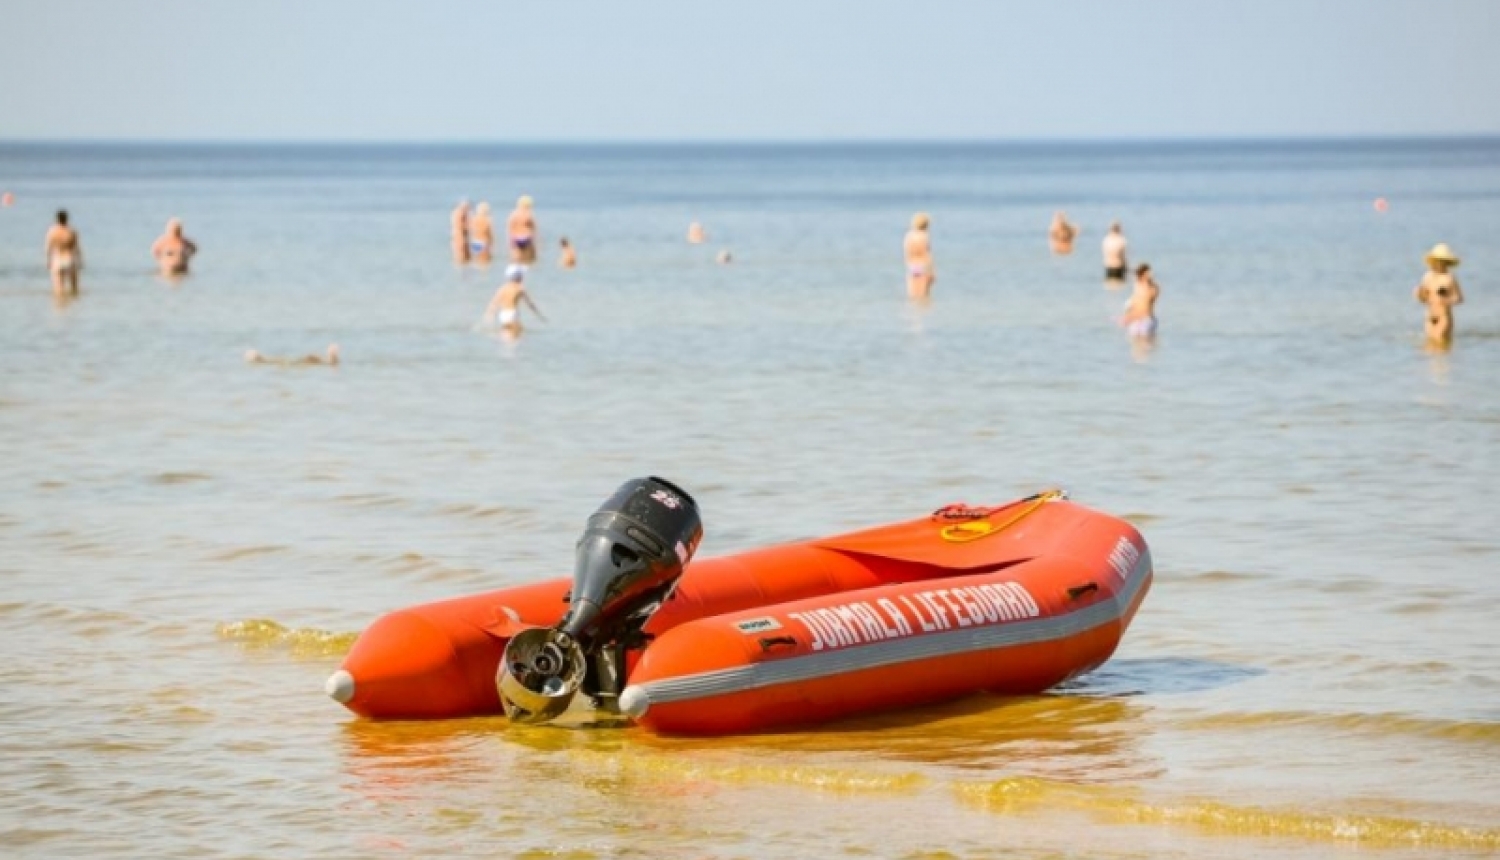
(745, 69)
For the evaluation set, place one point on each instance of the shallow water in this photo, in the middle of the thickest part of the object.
(188, 544)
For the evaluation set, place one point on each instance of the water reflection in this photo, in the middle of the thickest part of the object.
(1160, 676)
(1065, 737)
(1439, 365)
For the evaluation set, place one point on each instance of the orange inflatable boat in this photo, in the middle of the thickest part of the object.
(1012, 599)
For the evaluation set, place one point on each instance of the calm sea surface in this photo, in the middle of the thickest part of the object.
(188, 544)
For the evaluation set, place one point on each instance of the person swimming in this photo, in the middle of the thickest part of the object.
(917, 248)
(458, 225)
(64, 256)
(520, 227)
(505, 307)
(1140, 309)
(1115, 262)
(568, 258)
(695, 234)
(1439, 291)
(482, 234)
(329, 358)
(173, 251)
(1061, 234)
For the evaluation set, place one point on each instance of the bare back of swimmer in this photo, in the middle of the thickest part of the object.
(505, 307)
(64, 256)
(1061, 234)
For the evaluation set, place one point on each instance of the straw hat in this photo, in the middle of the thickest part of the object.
(1441, 253)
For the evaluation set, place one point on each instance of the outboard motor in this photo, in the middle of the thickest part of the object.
(631, 555)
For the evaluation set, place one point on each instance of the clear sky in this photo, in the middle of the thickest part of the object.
(604, 70)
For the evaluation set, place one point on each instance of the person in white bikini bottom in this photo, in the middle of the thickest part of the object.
(64, 256)
(505, 307)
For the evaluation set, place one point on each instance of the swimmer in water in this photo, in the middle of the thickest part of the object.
(568, 258)
(505, 307)
(1115, 263)
(1061, 234)
(329, 358)
(1439, 291)
(482, 235)
(1140, 309)
(920, 273)
(64, 256)
(459, 227)
(695, 234)
(724, 258)
(173, 251)
(520, 229)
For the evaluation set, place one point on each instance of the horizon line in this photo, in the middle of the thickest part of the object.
(1459, 137)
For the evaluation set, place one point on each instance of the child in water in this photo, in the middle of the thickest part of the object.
(1439, 291)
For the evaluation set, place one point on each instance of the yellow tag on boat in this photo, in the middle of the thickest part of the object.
(962, 532)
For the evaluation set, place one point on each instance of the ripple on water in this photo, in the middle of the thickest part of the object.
(426, 569)
(371, 500)
(1219, 577)
(174, 478)
(1378, 724)
(244, 552)
(1028, 795)
(262, 634)
(499, 513)
(681, 773)
(83, 621)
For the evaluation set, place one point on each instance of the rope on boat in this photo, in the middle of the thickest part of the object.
(970, 524)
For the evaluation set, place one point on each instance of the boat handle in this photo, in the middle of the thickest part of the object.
(769, 642)
(1078, 591)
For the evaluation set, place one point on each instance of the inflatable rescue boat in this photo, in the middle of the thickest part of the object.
(1012, 599)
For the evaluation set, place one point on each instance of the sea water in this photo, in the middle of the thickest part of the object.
(189, 543)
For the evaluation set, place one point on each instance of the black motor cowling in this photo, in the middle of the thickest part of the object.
(632, 553)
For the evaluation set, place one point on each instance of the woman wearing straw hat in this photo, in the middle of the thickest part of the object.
(1439, 291)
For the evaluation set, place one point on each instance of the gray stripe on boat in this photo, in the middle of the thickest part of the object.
(720, 682)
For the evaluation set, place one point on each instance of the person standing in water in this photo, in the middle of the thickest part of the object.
(1439, 291)
(1140, 309)
(520, 229)
(1115, 262)
(918, 250)
(505, 307)
(695, 234)
(64, 256)
(1061, 234)
(568, 258)
(482, 235)
(458, 224)
(173, 251)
